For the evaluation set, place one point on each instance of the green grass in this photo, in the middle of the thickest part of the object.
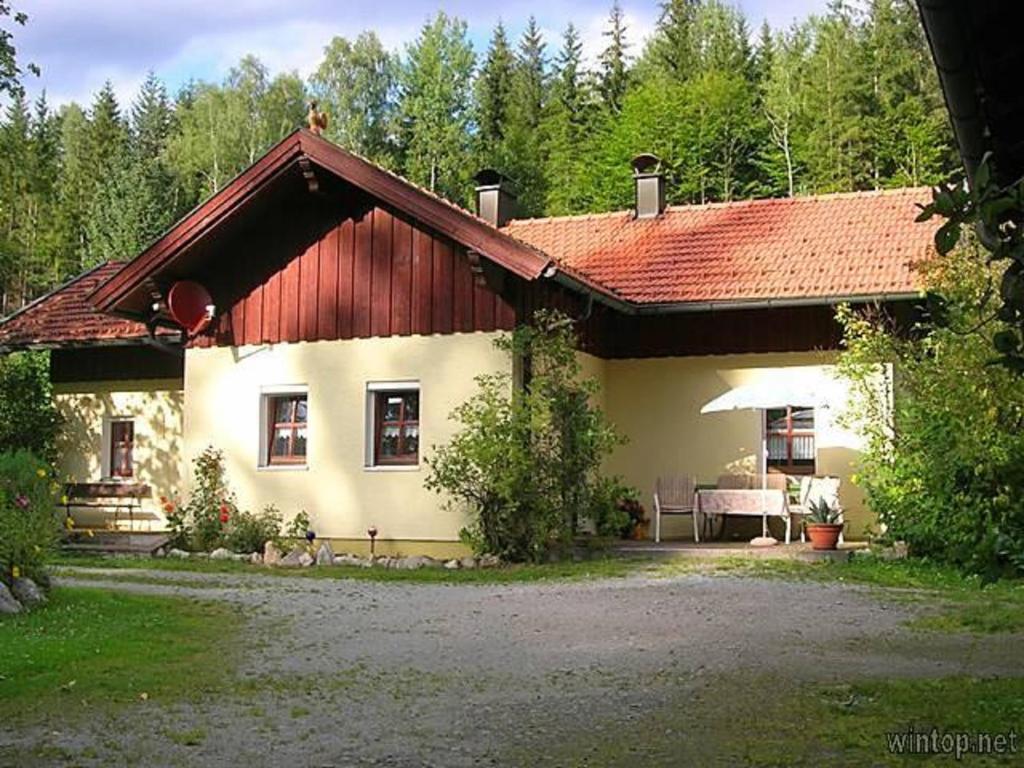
(804, 725)
(91, 648)
(595, 568)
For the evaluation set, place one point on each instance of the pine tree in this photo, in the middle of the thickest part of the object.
(15, 192)
(107, 132)
(614, 75)
(524, 142)
(75, 189)
(493, 97)
(565, 130)
(673, 49)
(436, 83)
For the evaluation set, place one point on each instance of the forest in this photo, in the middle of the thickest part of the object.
(845, 100)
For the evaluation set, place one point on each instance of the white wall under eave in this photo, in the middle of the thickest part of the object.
(223, 389)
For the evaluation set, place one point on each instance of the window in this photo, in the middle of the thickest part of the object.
(790, 435)
(287, 425)
(122, 445)
(396, 426)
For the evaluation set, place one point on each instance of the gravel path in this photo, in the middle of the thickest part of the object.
(362, 673)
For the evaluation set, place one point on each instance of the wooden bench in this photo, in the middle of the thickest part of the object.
(110, 496)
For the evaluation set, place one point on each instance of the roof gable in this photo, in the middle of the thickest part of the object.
(125, 292)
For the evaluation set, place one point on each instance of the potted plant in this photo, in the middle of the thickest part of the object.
(822, 525)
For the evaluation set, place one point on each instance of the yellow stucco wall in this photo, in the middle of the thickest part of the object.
(155, 406)
(656, 403)
(343, 497)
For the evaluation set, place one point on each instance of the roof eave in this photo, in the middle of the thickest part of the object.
(630, 307)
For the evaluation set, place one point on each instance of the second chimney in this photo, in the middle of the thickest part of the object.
(495, 197)
(650, 186)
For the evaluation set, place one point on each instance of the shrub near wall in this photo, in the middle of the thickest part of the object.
(526, 460)
(944, 466)
(29, 524)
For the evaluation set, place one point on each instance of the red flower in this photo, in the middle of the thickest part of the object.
(225, 515)
(21, 500)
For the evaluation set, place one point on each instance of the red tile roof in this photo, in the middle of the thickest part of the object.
(828, 246)
(64, 317)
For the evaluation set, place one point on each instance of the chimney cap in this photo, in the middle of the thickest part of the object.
(646, 163)
(490, 177)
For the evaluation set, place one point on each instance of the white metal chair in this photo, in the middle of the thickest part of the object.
(674, 495)
(814, 489)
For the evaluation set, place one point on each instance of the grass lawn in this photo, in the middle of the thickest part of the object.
(810, 725)
(91, 648)
(598, 567)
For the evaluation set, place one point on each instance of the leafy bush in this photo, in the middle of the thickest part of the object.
(616, 508)
(212, 503)
(527, 458)
(299, 526)
(248, 532)
(29, 526)
(944, 462)
(28, 418)
(204, 522)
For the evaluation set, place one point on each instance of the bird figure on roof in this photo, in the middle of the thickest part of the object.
(317, 120)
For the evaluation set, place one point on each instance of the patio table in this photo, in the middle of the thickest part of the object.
(743, 502)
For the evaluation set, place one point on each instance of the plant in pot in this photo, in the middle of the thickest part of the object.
(822, 525)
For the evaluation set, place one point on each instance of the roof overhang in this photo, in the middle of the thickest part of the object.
(627, 307)
(978, 55)
(303, 153)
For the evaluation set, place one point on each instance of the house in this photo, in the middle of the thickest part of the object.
(351, 311)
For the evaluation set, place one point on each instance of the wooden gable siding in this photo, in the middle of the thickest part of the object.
(326, 270)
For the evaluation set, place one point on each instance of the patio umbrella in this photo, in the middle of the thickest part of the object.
(776, 389)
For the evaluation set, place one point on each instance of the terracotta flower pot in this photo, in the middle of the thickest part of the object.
(640, 531)
(824, 535)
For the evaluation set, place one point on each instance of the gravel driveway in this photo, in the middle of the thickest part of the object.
(361, 673)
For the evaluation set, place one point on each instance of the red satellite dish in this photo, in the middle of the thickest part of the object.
(191, 305)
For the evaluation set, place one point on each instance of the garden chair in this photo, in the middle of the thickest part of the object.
(674, 496)
(814, 489)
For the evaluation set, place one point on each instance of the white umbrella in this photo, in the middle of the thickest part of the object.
(775, 389)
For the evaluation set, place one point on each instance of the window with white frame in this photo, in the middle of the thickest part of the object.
(285, 433)
(121, 448)
(393, 424)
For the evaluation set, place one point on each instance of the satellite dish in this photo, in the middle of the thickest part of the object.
(190, 305)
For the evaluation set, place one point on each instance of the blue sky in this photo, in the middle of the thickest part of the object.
(81, 43)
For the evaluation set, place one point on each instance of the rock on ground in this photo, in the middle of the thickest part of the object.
(271, 554)
(27, 592)
(348, 559)
(297, 558)
(325, 555)
(221, 553)
(181, 554)
(414, 562)
(8, 604)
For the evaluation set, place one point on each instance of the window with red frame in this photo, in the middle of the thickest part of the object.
(122, 446)
(397, 427)
(287, 425)
(790, 437)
